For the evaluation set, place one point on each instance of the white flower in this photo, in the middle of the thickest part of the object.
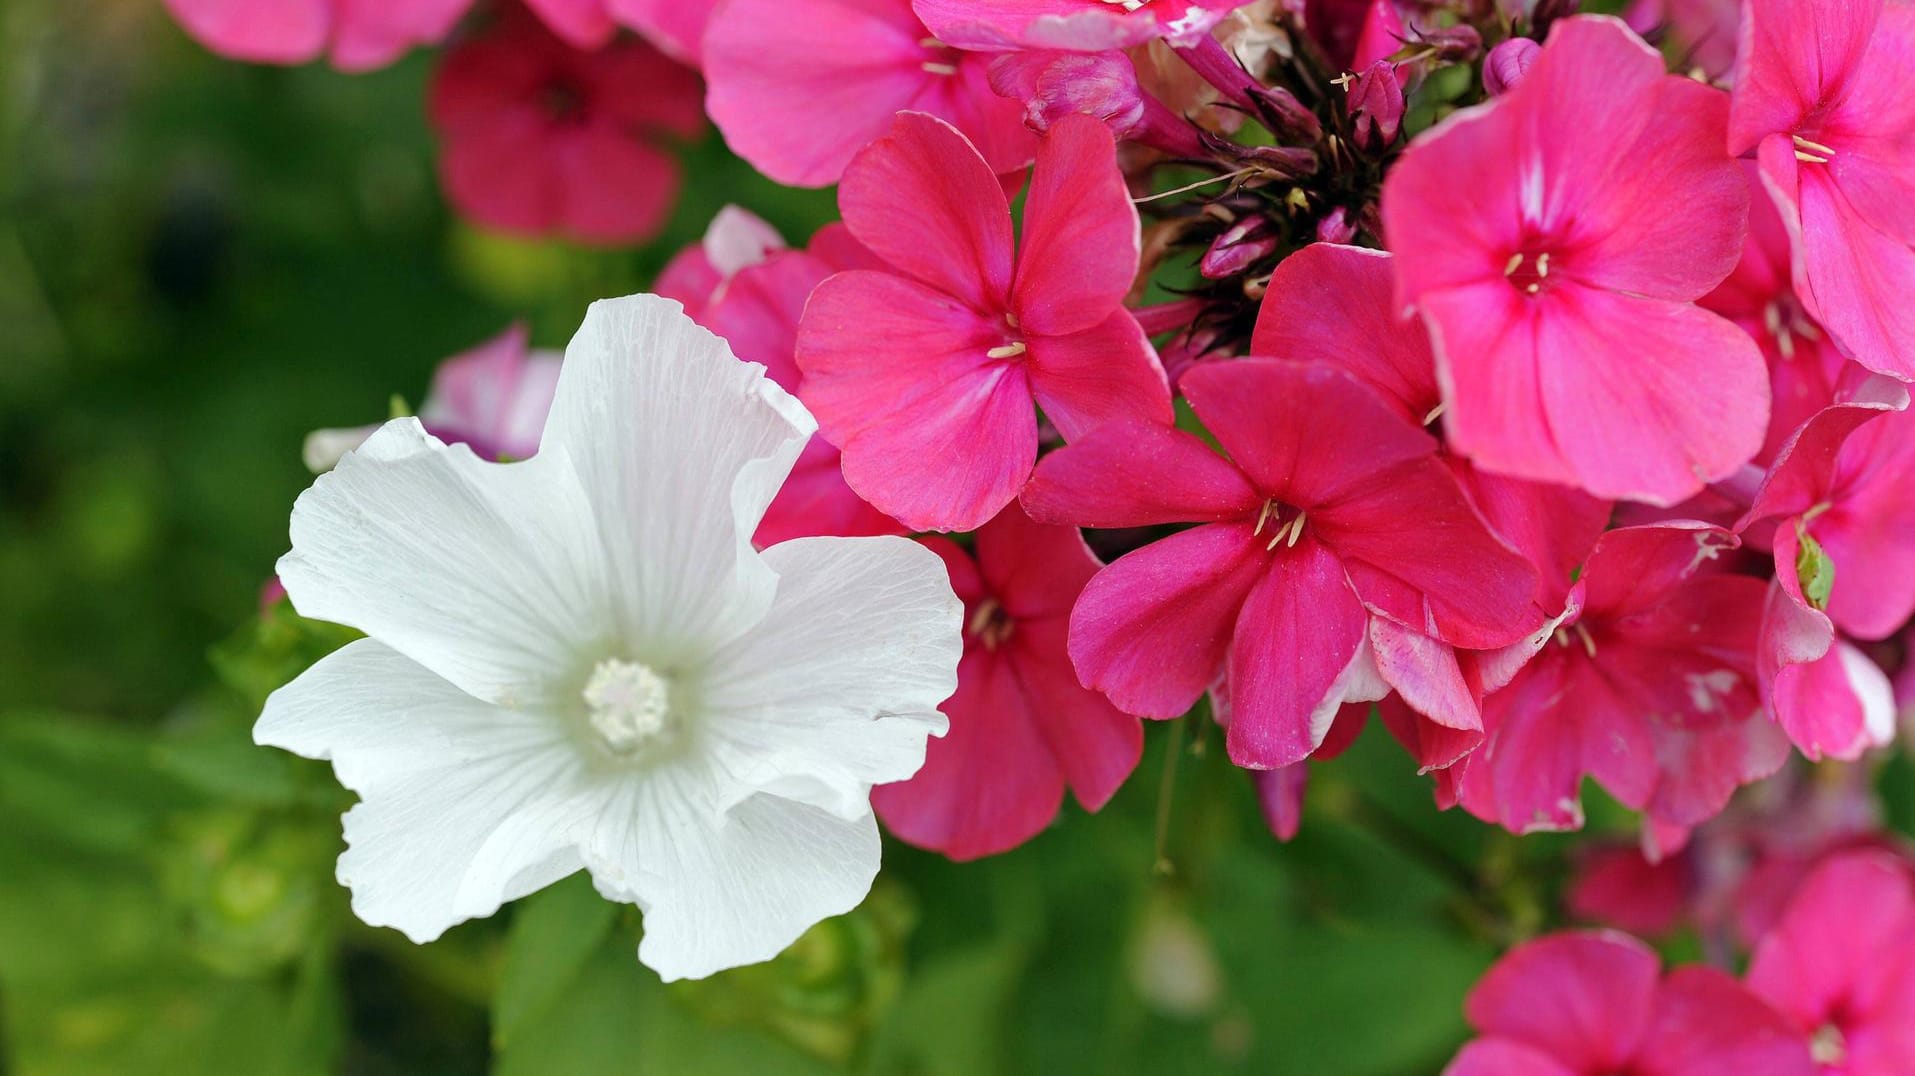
(580, 661)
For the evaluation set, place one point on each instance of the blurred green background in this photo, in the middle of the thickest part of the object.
(200, 261)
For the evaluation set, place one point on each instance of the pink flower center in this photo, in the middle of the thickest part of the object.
(1013, 346)
(1528, 271)
(937, 59)
(562, 101)
(1284, 523)
(1787, 321)
(990, 624)
(1828, 1046)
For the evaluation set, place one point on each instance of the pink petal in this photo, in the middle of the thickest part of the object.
(1300, 627)
(1794, 56)
(372, 33)
(1096, 744)
(923, 200)
(1105, 373)
(1708, 1024)
(285, 33)
(926, 392)
(1554, 527)
(1617, 886)
(1505, 1057)
(676, 26)
(1804, 471)
(1425, 675)
(1151, 630)
(1867, 532)
(611, 188)
(1434, 747)
(1852, 274)
(1280, 796)
(1583, 998)
(1036, 570)
(1065, 24)
(816, 501)
(1081, 239)
(584, 24)
(1131, 474)
(1337, 305)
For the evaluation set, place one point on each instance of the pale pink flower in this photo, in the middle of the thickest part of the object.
(356, 35)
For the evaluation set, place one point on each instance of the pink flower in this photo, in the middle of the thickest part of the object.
(1554, 240)
(1331, 509)
(1703, 32)
(1022, 728)
(493, 398)
(742, 284)
(359, 36)
(799, 89)
(1618, 886)
(1841, 965)
(538, 138)
(925, 372)
(1841, 498)
(675, 26)
(1820, 95)
(1648, 686)
(1077, 25)
(1355, 33)
(1596, 1002)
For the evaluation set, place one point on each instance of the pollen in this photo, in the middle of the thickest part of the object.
(629, 704)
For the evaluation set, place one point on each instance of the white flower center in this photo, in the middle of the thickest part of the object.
(631, 705)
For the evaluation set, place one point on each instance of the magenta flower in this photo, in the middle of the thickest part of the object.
(742, 284)
(1596, 1002)
(1355, 33)
(1077, 25)
(1648, 685)
(674, 26)
(798, 89)
(1555, 239)
(925, 372)
(1841, 965)
(1820, 96)
(357, 36)
(1022, 728)
(538, 138)
(1330, 509)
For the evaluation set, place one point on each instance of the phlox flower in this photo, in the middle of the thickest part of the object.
(800, 87)
(539, 138)
(742, 283)
(357, 35)
(1596, 1002)
(1078, 25)
(493, 398)
(1820, 97)
(1354, 34)
(1554, 239)
(674, 26)
(925, 372)
(579, 660)
(1841, 499)
(1840, 964)
(1646, 683)
(1330, 512)
(1022, 728)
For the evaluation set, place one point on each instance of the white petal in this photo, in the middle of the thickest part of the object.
(465, 805)
(1873, 693)
(724, 890)
(838, 687)
(487, 574)
(681, 447)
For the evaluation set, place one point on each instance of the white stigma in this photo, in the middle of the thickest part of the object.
(630, 704)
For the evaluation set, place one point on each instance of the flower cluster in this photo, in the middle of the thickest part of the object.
(1455, 364)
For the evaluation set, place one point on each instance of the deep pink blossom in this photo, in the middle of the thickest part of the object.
(741, 283)
(538, 138)
(1355, 33)
(1840, 964)
(1331, 511)
(1022, 728)
(1701, 33)
(1616, 885)
(925, 372)
(1079, 25)
(1838, 498)
(356, 35)
(798, 91)
(1647, 684)
(1821, 98)
(1595, 1004)
(1555, 239)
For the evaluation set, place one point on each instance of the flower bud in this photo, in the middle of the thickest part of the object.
(1507, 63)
(1285, 115)
(1057, 84)
(1335, 227)
(1455, 44)
(1375, 103)
(1242, 245)
(1280, 162)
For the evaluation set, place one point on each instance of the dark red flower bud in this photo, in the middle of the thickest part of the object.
(1285, 115)
(1242, 245)
(1375, 102)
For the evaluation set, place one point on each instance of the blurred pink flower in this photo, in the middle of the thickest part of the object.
(539, 138)
(1078, 25)
(1022, 728)
(674, 26)
(799, 89)
(925, 371)
(358, 35)
(1554, 239)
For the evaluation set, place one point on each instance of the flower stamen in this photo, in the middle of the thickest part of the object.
(629, 705)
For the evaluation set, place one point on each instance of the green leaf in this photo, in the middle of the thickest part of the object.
(554, 934)
(950, 1017)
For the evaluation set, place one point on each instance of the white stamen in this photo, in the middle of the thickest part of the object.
(1007, 351)
(630, 704)
(939, 69)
